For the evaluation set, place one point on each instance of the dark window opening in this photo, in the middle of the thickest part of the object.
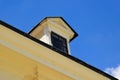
(59, 42)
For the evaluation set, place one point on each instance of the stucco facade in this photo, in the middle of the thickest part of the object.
(24, 57)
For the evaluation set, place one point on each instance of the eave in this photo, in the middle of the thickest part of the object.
(50, 47)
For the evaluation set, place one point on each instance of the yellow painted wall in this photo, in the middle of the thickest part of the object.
(14, 66)
(24, 59)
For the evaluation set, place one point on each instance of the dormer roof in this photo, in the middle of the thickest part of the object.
(60, 23)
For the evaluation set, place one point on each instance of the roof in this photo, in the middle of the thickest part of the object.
(75, 34)
(50, 47)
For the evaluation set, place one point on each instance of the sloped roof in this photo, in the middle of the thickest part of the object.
(75, 34)
(50, 47)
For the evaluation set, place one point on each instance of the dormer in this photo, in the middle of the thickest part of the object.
(55, 32)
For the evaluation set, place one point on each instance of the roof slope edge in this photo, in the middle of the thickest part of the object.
(50, 47)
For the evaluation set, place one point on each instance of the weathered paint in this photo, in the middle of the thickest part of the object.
(23, 59)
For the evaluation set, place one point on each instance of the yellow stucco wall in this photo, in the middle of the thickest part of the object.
(24, 59)
(14, 66)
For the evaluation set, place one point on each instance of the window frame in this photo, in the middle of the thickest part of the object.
(65, 46)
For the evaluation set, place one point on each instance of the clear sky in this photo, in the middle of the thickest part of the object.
(96, 21)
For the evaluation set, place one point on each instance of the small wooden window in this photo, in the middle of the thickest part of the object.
(59, 42)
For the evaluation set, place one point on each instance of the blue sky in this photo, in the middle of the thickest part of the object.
(96, 21)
